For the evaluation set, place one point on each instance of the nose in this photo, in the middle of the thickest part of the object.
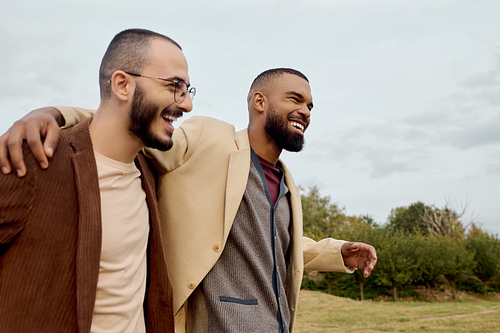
(305, 112)
(187, 104)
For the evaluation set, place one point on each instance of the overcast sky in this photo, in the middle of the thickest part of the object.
(406, 93)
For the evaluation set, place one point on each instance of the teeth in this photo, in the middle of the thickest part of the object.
(297, 126)
(169, 117)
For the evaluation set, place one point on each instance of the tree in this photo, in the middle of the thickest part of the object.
(396, 261)
(445, 221)
(431, 257)
(329, 278)
(321, 218)
(365, 230)
(486, 250)
(430, 220)
(460, 261)
(408, 219)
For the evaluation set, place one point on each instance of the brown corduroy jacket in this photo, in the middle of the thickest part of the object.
(50, 243)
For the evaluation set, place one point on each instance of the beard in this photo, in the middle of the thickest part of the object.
(142, 114)
(277, 128)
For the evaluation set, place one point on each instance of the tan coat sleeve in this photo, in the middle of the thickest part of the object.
(74, 115)
(324, 255)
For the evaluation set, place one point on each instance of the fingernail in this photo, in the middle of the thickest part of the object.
(5, 170)
(20, 173)
(50, 151)
(43, 165)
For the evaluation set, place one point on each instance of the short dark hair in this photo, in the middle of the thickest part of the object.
(128, 51)
(266, 77)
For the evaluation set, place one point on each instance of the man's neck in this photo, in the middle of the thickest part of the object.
(264, 146)
(111, 138)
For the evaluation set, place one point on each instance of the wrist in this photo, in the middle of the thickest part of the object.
(58, 116)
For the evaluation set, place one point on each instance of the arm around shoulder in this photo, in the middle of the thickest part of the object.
(74, 115)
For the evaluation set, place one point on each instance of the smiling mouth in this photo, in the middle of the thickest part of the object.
(298, 126)
(169, 117)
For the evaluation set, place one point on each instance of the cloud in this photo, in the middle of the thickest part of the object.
(482, 80)
(466, 123)
(492, 169)
(468, 118)
(479, 133)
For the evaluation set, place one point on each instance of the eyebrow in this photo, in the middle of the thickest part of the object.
(176, 78)
(180, 80)
(301, 97)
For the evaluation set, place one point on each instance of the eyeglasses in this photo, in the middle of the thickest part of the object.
(181, 88)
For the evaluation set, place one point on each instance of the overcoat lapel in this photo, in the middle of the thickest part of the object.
(89, 225)
(237, 177)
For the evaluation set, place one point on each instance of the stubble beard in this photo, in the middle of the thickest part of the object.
(142, 115)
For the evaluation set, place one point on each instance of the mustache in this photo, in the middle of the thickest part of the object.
(175, 113)
(299, 117)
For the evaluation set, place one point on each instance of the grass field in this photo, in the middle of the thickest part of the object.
(320, 313)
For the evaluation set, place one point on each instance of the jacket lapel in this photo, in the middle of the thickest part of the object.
(89, 224)
(237, 177)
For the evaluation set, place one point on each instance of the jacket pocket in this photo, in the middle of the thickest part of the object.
(252, 301)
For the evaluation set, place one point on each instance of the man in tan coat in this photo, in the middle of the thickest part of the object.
(231, 213)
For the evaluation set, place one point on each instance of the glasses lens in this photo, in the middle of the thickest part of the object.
(192, 92)
(180, 91)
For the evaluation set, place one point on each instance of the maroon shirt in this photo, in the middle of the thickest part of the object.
(273, 177)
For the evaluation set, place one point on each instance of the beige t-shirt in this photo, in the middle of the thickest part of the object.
(123, 268)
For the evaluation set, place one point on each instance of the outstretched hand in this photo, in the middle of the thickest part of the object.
(34, 127)
(360, 255)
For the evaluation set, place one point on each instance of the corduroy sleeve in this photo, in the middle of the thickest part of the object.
(16, 202)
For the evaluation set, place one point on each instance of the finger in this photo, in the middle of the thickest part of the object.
(372, 258)
(16, 156)
(367, 269)
(373, 263)
(36, 147)
(51, 139)
(4, 155)
(373, 253)
(15, 148)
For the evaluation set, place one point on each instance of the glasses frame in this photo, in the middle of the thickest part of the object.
(190, 90)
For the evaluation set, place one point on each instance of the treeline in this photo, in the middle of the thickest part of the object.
(419, 246)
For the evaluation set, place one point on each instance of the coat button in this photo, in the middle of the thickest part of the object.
(216, 248)
(191, 285)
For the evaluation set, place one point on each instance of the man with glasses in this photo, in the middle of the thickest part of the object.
(231, 213)
(80, 243)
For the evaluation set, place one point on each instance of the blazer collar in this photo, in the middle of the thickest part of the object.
(80, 136)
(242, 141)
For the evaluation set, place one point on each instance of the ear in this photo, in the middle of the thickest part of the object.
(259, 101)
(122, 85)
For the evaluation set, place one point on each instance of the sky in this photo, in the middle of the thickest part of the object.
(406, 92)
